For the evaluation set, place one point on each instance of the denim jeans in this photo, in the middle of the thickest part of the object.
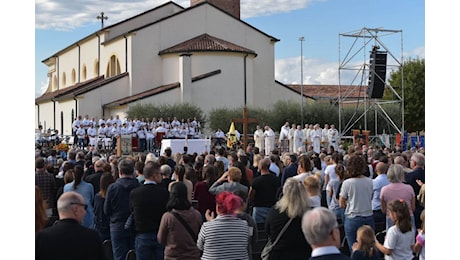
(122, 242)
(147, 246)
(340, 214)
(352, 225)
(259, 214)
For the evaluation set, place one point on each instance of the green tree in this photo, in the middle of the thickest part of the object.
(414, 92)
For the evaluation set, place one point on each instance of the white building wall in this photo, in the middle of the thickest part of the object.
(46, 118)
(89, 54)
(66, 106)
(117, 48)
(151, 70)
(67, 61)
(143, 19)
(171, 97)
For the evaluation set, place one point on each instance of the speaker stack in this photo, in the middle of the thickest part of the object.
(377, 73)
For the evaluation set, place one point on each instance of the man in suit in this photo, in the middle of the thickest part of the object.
(148, 203)
(68, 239)
(321, 231)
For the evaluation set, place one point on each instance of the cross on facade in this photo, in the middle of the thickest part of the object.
(102, 18)
(245, 120)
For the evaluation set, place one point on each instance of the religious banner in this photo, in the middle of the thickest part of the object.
(405, 140)
(366, 134)
(398, 138)
(359, 138)
(231, 138)
(422, 141)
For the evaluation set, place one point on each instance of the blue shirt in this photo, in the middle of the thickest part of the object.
(86, 190)
(378, 183)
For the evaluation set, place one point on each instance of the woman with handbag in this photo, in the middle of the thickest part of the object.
(179, 226)
(291, 244)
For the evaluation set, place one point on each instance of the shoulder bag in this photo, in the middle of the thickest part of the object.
(189, 229)
(265, 255)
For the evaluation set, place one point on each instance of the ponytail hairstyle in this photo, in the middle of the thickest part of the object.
(78, 175)
(180, 171)
(402, 220)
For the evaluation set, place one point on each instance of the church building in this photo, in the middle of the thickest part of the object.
(204, 55)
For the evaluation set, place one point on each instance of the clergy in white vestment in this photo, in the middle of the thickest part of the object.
(291, 137)
(259, 138)
(269, 136)
(315, 136)
(298, 140)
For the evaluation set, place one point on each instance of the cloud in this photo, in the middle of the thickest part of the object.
(68, 15)
(317, 72)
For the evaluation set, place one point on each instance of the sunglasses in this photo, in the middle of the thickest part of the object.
(80, 204)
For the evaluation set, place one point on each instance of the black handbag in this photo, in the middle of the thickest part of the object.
(265, 255)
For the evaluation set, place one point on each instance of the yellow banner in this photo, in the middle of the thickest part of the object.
(231, 140)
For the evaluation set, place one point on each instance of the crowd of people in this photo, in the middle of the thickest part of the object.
(213, 205)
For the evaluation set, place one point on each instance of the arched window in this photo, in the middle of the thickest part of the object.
(83, 73)
(113, 68)
(96, 68)
(63, 80)
(55, 83)
(74, 76)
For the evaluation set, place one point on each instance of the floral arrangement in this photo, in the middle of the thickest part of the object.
(62, 147)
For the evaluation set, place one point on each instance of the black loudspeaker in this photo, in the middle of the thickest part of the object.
(377, 73)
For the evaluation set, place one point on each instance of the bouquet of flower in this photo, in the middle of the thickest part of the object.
(63, 147)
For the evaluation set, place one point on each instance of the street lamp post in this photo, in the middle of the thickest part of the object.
(301, 39)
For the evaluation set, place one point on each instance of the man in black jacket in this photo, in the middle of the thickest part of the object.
(148, 203)
(68, 239)
(116, 207)
(95, 178)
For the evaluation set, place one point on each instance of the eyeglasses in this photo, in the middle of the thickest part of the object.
(80, 204)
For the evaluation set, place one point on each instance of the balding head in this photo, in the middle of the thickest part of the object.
(71, 205)
(264, 165)
(381, 168)
(320, 228)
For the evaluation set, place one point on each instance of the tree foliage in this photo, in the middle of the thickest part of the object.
(413, 71)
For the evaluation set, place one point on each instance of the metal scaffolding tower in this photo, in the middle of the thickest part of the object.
(355, 65)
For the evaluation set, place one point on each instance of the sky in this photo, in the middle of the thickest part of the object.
(322, 23)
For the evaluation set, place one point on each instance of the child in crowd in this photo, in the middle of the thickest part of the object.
(419, 247)
(313, 186)
(364, 248)
(400, 237)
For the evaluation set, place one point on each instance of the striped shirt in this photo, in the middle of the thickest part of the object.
(226, 236)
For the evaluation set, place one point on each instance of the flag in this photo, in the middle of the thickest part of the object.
(231, 140)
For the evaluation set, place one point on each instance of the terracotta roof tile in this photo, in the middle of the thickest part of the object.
(206, 43)
(157, 90)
